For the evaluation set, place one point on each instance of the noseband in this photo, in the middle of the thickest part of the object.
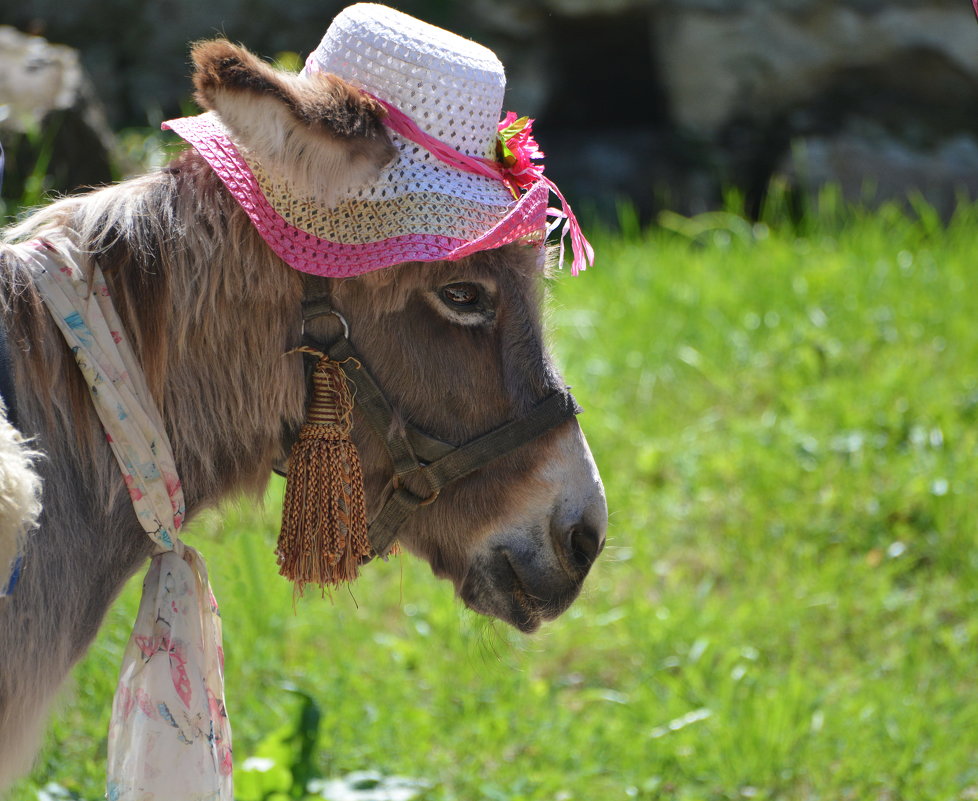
(415, 454)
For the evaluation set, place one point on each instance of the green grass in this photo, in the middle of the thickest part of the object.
(786, 417)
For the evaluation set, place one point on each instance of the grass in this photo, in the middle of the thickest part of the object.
(786, 417)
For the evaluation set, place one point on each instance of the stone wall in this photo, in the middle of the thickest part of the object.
(660, 101)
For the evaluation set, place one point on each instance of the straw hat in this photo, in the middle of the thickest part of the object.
(444, 195)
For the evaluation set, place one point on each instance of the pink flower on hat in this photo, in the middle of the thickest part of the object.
(516, 148)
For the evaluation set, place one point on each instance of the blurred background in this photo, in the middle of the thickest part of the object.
(777, 354)
(663, 103)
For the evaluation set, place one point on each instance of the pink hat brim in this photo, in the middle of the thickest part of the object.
(311, 254)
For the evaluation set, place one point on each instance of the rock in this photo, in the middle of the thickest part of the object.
(762, 60)
(52, 126)
(871, 166)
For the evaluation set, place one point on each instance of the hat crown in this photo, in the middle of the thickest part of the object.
(450, 86)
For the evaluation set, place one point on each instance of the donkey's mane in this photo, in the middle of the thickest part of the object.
(176, 247)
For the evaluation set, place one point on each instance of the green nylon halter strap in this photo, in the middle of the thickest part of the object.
(442, 462)
(465, 459)
(547, 414)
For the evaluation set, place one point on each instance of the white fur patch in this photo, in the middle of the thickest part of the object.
(20, 491)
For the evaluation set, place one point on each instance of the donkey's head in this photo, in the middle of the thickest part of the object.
(455, 346)
(457, 349)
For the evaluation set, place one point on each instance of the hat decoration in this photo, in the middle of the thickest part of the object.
(461, 181)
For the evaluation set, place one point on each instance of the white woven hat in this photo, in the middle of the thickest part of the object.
(443, 196)
(450, 86)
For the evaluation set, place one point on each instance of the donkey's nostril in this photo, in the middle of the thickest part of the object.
(584, 543)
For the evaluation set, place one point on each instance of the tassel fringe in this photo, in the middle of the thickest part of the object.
(323, 539)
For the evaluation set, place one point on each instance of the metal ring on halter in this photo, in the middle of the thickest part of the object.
(336, 314)
(342, 319)
(396, 484)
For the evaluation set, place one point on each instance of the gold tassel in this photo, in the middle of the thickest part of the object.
(324, 517)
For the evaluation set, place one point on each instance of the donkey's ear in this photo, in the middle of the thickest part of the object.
(318, 132)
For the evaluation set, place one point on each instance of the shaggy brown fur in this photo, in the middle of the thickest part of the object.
(213, 314)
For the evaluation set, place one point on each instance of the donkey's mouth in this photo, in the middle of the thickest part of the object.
(524, 612)
(498, 587)
(526, 616)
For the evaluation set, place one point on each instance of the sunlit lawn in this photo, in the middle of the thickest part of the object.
(787, 424)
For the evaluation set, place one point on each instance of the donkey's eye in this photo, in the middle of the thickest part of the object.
(463, 303)
(460, 296)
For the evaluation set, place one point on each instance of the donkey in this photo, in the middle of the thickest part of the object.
(214, 316)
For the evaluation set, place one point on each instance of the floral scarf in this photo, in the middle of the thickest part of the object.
(169, 737)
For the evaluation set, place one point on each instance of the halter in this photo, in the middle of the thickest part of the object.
(414, 453)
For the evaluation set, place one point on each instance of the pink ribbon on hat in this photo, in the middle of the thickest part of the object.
(516, 180)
